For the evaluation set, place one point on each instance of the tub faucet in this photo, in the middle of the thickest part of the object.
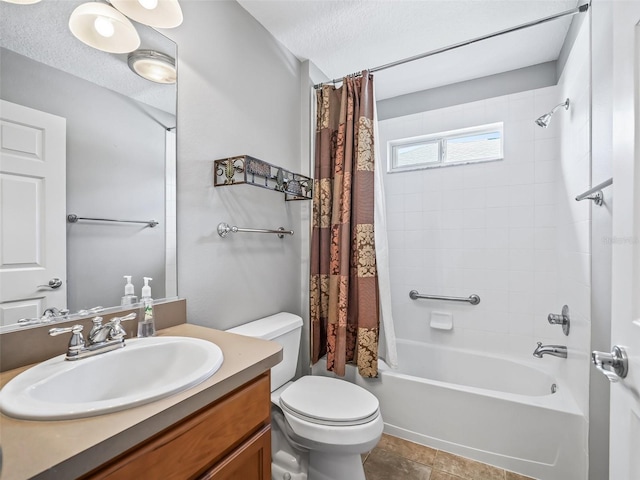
(555, 350)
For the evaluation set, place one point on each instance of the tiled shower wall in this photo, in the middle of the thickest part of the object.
(509, 231)
(574, 218)
(488, 228)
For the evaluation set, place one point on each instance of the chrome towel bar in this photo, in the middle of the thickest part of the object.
(472, 299)
(595, 193)
(73, 218)
(224, 229)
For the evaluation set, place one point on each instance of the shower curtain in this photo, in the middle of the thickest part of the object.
(344, 290)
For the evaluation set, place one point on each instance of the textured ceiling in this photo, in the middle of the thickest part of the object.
(345, 36)
(338, 36)
(41, 33)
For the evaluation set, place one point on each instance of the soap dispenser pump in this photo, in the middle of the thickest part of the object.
(146, 325)
(129, 297)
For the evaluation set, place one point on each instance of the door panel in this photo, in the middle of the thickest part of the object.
(11, 312)
(22, 201)
(624, 462)
(32, 211)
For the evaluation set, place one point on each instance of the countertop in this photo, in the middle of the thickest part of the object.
(71, 448)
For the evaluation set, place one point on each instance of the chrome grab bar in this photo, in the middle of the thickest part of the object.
(224, 229)
(472, 299)
(73, 218)
(595, 193)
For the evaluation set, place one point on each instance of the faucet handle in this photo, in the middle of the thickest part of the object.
(75, 329)
(131, 316)
(76, 343)
(561, 319)
(117, 332)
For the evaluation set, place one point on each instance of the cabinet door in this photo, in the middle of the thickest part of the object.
(250, 461)
(203, 440)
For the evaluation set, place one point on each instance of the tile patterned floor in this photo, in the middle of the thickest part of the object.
(394, 458)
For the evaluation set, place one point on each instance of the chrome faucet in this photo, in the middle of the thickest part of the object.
(50, 314)
(101, 338)
(555, 350)
(53, 312)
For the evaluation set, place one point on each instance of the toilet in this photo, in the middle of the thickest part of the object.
(320, 425)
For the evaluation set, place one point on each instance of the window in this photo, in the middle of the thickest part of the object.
(456, 147)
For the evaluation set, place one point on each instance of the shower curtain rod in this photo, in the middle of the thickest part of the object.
(580, 9)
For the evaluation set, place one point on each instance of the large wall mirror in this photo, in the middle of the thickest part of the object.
(118, 164)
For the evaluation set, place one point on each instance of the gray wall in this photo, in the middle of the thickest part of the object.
(115, 169)
(239, 93)
(514, 81)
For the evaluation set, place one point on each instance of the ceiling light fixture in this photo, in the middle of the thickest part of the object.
(155, 66)
(155, 13)
(22, 2)
(103, 27)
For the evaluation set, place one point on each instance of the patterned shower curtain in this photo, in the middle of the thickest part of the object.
(344, 281)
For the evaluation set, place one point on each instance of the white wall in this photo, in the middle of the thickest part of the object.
(239, 93)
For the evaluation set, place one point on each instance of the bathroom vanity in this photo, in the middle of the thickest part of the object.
(219, 429)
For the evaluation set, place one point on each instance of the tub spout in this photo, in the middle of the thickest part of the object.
(555, 350)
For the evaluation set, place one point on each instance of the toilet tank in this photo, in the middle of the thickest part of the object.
(285, 329)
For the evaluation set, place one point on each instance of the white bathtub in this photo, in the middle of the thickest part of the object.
(483, 407)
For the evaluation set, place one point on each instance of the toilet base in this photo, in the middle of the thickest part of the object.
(330, 466)
(288, 462)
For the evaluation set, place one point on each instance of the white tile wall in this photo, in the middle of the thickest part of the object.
(508, 230)
(574, 218)
(488, 228)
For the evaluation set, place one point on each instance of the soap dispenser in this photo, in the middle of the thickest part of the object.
(146, 325)
(129, 294)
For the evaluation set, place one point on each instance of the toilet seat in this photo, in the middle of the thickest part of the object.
(329, 401)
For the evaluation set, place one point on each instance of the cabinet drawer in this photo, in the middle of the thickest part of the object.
(187, 449)
(250, 461)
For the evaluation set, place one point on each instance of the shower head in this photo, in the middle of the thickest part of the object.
(545, 119)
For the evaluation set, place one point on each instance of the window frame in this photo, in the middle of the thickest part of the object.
(441, 138)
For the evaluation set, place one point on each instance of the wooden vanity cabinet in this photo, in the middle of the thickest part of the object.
(228, 440)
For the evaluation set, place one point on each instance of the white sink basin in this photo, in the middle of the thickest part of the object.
(145, 370)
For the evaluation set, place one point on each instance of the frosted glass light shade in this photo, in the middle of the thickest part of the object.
(154, 66)
(22, 2)
(103, 27)
(155, 13)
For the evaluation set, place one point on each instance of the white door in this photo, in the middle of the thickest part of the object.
(32, 212)
(625, 320)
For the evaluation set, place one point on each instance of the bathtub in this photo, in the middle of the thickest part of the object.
(488, 408)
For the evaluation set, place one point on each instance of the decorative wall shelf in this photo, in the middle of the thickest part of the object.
(250, 170)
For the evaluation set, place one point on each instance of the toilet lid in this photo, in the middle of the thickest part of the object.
(330, 401)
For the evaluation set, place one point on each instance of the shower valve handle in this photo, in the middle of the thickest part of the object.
(561, 319)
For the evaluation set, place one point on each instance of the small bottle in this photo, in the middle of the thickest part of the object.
(146, 325)
(129, 294)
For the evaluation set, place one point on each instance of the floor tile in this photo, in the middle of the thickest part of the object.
(384, 465)
(465, 468)
(404, 448)
(517, 476)
(440, 475)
